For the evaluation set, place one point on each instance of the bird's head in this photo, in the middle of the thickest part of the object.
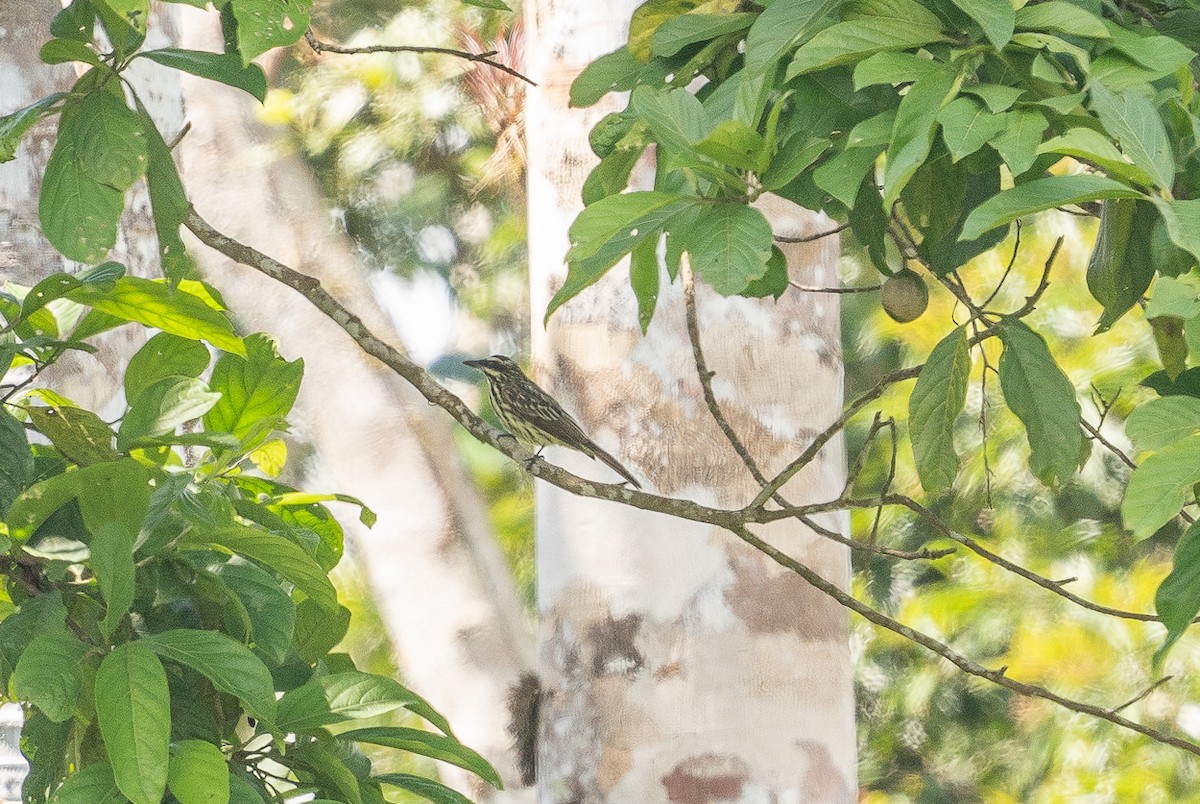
(496, 366)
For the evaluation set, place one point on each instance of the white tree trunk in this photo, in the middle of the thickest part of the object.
(678, 665)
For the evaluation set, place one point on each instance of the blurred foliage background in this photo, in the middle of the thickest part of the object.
(421, 160)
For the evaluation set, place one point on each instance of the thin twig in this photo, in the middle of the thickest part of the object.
(1033, 298)
(1111, 447)
(1007, 269)
(866, 547)
(860, 459)
(813, 237)
(706, 375)
(482, 58)
(862, 289)
(1143, 694)
(973, 668)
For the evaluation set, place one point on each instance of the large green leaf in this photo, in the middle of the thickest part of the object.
(164, 355)
(1089, 145)
(133, 708)
(44, 744)
(16, 460)
(48, 674)
(275, 552)
(92, 785)
(317, 631)
(996, 19)
(155, 304)
(853, 40)
(967, 125)
(362, 695)
(613, 72)
(1042, 397)
(729, 245)
(1160, 423)
(675, 117)
(224, 67)
(198, 773)
(426, 788)
(607, 230)
(229, 665)
(1134, 122)
(935, 404)
(687, 29)
(783, 24)
(99, 153)
(912, 133)
(266, 24)
(1062, 17)
(1041, 194)
(271, 613)
(1017, 143)
(1177, 600)
(117, 491)
(1160, 485)
(163, 406)
(437, 746)
(168, 201)
(257, 391)
(324, 760)
(111, 559)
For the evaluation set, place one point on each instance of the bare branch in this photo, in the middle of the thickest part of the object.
(962, 662)
(807, 289)
(482, 58)
(813, 237)
(1141, 695)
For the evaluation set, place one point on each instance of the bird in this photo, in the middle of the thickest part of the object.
(532, 416)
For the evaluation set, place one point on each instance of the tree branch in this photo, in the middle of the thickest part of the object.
(482, 58)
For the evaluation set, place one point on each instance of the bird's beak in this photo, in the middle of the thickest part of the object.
(474, 363)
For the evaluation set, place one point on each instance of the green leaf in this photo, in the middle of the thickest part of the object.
(164, 355)
(133, 708)
(155, 304)
(77, 21)
(774, 282)
(675, 117)
(162, 407)
(1060, 16)
(1173, 297)
(1091, 146)
(843, 173)
(317, 631)
(426, 788)
(996, 19)
(111, 551)
(425, 743)
(997, 97)
(734, 143)
(891, 68)
(16, 460)
(271, 612)
(363, 695)
(266, 24)
(614, 72)
(1017, 143)
(1182, 219)
(687, 29)
(1172, 346)
(1042, 397)
(607, 230)
(229, 665)
(1042, 194)
(276, 553)
(304, 709)
(116, 491)
(492, 5)
(1160, 485)
(168, 201)
(1160, 423)
(852, 41)
(643, 278)
(198, 773)
(48, 674)
(330, 769)
(100, 152)
(80, 435)
(61, 51)
(1134, 122)
(226, 68)
(967, 125)
(242, 791)
(44, 744)
(14, 125)
(257, 391)
(1177, 600)
(780, 27)
(92, 785)
(124, 22)
(912, 133)
(729, 246)
(1121, 265)
(936, 402)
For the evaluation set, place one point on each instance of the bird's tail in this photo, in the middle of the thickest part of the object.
(614, 464)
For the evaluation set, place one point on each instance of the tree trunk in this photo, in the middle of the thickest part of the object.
(678, 665)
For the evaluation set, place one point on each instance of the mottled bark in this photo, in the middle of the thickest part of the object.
(678, 665)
